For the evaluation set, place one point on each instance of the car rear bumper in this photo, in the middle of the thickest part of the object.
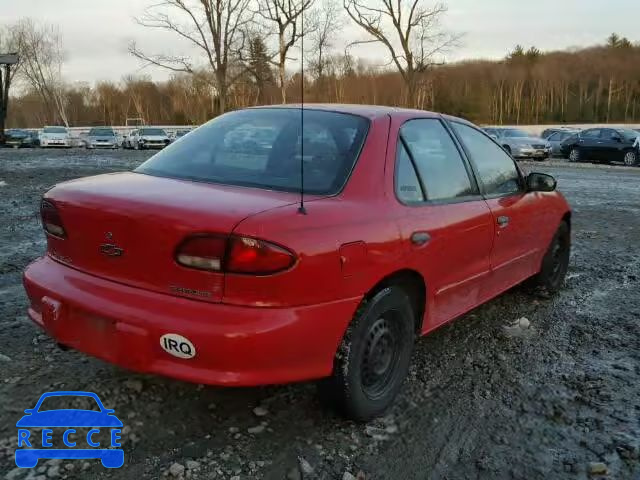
(234, 345)
(533, 152)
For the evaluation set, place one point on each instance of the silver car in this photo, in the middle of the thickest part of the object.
(556, 138)
(148, 137)
(520, 144)
(101, 137)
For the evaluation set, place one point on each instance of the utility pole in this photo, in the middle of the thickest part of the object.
(6, 60)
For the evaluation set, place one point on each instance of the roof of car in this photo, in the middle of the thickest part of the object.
(370, 111)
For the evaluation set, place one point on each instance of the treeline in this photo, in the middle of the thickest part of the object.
(597, 84)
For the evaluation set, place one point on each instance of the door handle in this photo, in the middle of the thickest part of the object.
(503, 221)
(420, 238)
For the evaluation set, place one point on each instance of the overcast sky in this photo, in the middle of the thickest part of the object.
(96, 32)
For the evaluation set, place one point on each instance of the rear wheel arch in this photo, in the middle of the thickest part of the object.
(415, 287)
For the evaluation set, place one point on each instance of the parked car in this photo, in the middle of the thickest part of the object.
(547, 132)
(521, 144)
(557, 137)
(18, 138)
(602, 144)
(179, 134)
(204, 264)
(35, 138)
(55, 137)
(126, 144)
(148, 137)
(102, 137)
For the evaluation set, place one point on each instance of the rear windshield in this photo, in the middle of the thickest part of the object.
(152, 131)
(514, 133)
(18, 133)
(101, 132)
(262, 148)
(55, 130)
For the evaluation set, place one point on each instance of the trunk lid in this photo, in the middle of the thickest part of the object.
(125, 227)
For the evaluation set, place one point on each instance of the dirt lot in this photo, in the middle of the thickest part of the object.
(483, 400)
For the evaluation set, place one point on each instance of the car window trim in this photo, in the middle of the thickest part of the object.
(445, 201)
(412, 160)
(483, 193)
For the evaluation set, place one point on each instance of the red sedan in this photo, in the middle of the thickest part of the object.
(202, 265)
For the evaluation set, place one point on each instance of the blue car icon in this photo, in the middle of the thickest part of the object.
(68, 419)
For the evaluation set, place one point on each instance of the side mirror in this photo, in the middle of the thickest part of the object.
(541, 182)
(616, 138)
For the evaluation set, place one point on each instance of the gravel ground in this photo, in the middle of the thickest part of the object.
(521, 388)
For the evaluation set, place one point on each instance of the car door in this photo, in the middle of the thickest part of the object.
(516, 213)
(555, 139)
(446, 227)
(590, 144)
(611, 145)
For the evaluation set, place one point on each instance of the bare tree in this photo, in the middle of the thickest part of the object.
(328, 20)
(409, 30)
(42, 56)
(215, 27)
(287, 15)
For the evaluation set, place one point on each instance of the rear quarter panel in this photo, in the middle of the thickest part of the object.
(360, 213)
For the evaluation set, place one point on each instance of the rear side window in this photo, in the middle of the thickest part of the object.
(265, 147)
(593, 133)
(440, 167)
(497, 170)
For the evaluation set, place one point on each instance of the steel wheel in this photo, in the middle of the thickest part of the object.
(559, 251)
(380, 357)
(555, 262)
(373, 358)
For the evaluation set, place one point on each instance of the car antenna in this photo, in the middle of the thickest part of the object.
(301, 208)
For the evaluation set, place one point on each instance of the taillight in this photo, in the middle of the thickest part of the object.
(234, 254)
(204, 252)
(250, 255)
(51, 220)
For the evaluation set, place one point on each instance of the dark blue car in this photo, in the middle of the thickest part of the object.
(68, 418)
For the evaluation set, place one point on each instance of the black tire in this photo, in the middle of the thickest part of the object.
(373, 358)
(555, 262)
(575, 155)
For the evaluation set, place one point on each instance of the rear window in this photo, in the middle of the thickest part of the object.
(514, 133)
(262, 148)
(152, 131)
(101, 132)
(55, 130)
